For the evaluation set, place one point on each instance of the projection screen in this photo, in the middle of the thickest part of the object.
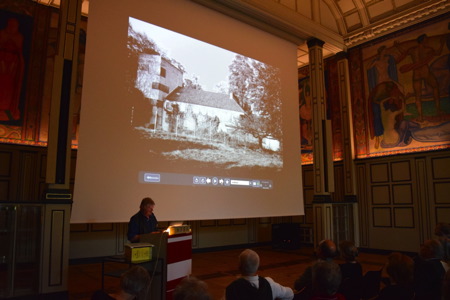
(189, 107)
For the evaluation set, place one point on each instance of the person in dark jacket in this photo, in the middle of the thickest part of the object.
(144, 221)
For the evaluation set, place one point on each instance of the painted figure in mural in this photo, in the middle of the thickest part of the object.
(421, 55)
(305, 114)
(11, 70)
(381, 69)
(391, 103)
(397, 131)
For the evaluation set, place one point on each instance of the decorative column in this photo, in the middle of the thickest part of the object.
(57, 199)
(348, 146)
(322, 146)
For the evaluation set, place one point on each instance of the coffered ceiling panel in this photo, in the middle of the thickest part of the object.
(339, 23)
(380, 8)
(328, 17)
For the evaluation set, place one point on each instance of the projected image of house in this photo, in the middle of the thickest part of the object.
(156, 78)
(201, 113)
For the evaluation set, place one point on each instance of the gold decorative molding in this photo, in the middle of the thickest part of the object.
(415, 16)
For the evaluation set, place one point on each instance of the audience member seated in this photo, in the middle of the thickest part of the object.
(442, 231)
(252, 286)
(400, 269)
(326, 279)
(134, 284)
(351, 271)
(191, 288)
(351, 268)
(326, 251)
(429, 271)
(446, 286)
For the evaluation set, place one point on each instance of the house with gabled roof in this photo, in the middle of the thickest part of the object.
(198, 109)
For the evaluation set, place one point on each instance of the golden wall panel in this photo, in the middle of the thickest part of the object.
(363, 203)
(43, 168)
(308, 194)
(225, 222)
(239, 221)
(102, 227)
(309, 216)
(404, 217)
(382, 217)
(27, 177)
(442, 214)
(207, 223)
(79, 227)
(402, 194)
(4, 190)
(56, 245)
(401, 171)
(308, 178)
(318, 221)
(380, 195)
(266, 220)
(339, 184)
(379, 173)
(441, 167)
(5, 163)
(441, 192)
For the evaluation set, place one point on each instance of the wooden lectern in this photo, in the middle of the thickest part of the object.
(175, 253)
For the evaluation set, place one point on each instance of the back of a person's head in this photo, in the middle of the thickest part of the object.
(191, 288)
(326, 250)
(400, 268)
(326, 277)
(136, 282)
(442, 229)
(431, 249)
(248, 262)
(348, 250)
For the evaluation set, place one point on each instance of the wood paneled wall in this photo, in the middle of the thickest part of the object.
(400, 199)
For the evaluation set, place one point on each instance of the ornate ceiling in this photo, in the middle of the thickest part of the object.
(341, 24)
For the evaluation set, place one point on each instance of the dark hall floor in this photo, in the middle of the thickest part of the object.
(217, 269)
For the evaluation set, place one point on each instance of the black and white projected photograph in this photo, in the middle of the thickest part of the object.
(200, 103)
(191, 109)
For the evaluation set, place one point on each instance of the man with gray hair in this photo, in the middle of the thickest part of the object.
(144, 221)
(252, 286)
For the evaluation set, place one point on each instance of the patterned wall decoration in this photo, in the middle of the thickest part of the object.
(26, 122)
(334, 106)
(333, 111)
(305, 114)
(406, 79)
(15, 45)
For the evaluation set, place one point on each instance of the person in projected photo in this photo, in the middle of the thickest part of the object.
(143, 221)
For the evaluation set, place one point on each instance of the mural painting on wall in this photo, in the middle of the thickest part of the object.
(305, 115)
(15, 43)
(407, 80)
(51, 50)
(334, 106)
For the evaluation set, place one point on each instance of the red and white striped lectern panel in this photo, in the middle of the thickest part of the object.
(179, 260)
